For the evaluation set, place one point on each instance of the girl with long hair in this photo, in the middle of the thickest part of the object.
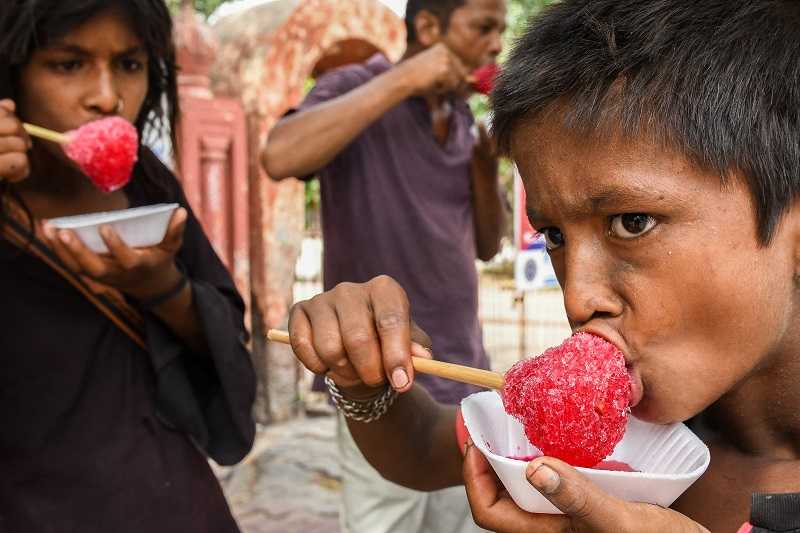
(121, 372)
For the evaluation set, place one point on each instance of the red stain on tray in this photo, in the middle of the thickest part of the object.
(613, 466)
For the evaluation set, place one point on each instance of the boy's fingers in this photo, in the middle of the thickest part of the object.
(419, 336)
(393, 323)
(327, 340)
(359, 338)
(480, 480)
(575, 495)
(8, 105)
(418, 350)
(302, 340)
(492, 508)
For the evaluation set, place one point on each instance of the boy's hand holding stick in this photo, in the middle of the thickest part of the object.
(424, 364)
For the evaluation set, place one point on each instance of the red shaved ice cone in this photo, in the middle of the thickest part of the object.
(572, 400)
(484, 78)
(105, 150)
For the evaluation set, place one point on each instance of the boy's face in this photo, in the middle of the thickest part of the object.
(660, 258)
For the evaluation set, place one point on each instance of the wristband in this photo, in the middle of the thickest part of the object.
(365, 411)
(164, 297)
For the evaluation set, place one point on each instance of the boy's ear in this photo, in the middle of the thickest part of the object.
(428, 28)
(792, 218)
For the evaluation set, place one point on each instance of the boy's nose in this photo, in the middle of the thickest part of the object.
(588, 288)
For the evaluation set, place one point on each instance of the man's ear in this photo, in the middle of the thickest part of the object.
(428, 28)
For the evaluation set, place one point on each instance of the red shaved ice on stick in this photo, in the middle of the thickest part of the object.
(105, 150)
(572, 400)
(483, 78)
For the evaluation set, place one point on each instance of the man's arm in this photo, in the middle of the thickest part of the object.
(360, 335)
(302, 143)
(305, 142)
(487, 197)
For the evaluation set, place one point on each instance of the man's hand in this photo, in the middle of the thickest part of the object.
(436, 70)
(360, 335)
(484, 154)
(586, 508)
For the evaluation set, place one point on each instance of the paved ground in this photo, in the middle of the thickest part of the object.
(290, 483)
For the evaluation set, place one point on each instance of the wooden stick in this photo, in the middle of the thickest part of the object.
(460, 373)
(44, 133)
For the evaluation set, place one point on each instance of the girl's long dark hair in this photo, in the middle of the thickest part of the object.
(26, 25)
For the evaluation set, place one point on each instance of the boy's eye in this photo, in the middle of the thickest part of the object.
(553, 238)
(631, 225)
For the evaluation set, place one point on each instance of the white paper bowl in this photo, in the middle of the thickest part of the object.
(138, 227)
(668, 458)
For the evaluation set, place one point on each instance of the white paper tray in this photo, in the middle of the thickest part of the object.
(668, 459)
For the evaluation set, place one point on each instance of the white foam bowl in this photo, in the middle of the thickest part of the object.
(138, 227)
(668, 458)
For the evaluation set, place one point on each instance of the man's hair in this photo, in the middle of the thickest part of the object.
(441, 8)
(716, 80)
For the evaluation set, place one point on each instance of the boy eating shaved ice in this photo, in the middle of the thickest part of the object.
(659, 145)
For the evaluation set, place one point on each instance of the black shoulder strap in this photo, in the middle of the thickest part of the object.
(124, 316)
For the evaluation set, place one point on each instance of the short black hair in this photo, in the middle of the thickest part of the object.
(441, 8)
(717, 80)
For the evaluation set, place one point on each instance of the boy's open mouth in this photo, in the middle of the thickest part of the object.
(637, 389)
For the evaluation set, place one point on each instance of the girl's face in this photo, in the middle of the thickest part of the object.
(659, 257)
(98, 69)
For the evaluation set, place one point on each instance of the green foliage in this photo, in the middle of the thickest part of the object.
(206, 7)
(519, 11)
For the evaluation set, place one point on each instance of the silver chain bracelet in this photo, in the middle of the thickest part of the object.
(365, 411)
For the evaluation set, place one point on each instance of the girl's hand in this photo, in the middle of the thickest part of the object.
(139, 272)
(14, 144)
(586, 508)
